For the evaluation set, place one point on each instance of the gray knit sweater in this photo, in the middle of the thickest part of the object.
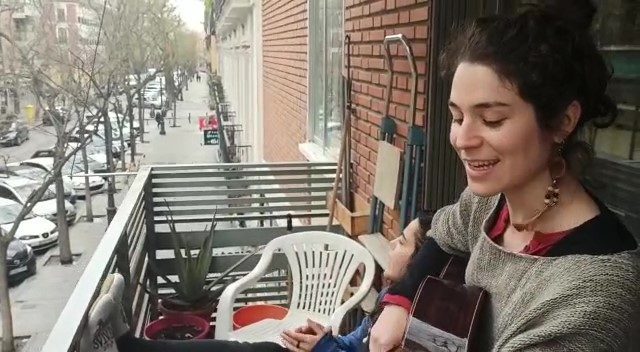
(566, 303)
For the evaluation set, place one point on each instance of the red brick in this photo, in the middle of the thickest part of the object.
(419, 14)
(377, 6)
(390, 19)
(391, 4)
(402, 3)
(404, 17)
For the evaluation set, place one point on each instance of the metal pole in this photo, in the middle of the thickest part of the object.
(111, 187)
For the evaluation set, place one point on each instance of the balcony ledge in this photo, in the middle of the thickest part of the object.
(233, 14)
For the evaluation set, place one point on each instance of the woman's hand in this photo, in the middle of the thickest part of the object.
(305, 337)
(387, 332)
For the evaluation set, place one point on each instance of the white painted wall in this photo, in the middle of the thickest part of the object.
(240, 51)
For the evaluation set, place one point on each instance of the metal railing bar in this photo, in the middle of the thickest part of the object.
(238, 210)
(182, 220)
(239, 191)
(233, 201)
(226, 183)
(238, 166)
(243, 173)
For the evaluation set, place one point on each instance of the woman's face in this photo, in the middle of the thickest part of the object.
(495, 133)
(402, 249)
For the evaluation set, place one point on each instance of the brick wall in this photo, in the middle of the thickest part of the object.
(285, 36)
(368, 22)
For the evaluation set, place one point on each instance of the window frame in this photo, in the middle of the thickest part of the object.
(318, 23)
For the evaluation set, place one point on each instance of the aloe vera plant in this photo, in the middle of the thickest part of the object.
(192, 268)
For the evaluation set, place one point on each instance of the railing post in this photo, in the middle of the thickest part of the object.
(150, 244)
(122, 264)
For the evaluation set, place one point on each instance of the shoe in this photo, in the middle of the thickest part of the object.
(113, 285)
(98, 334)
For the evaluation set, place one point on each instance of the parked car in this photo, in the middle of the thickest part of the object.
(115, 135)
(38, 174)
(14, 133)
(59, 113)
(19, 189)
(97, 143)
(96, 183)
(36, 231)
(125, 123)
(153, 101)
(96, 165)
(21, 262)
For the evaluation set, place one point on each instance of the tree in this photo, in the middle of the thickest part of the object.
(88, 80)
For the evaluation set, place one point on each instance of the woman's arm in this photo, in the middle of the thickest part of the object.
(449, 234)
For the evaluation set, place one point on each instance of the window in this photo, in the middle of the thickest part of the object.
(617, 33)
(62, 16)
(6, 193)
(62, 35)
(325, 72)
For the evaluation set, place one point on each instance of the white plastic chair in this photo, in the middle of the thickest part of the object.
(320, 277)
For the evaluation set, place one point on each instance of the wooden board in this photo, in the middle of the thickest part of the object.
(386, 184)
(379, 247)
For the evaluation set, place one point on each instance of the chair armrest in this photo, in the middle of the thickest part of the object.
(225, 302)
(363, 290)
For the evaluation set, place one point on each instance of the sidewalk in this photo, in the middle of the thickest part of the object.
(37, 301)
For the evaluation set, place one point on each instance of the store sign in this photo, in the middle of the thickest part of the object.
(211, 137)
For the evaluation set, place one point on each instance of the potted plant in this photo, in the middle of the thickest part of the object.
(193, 295)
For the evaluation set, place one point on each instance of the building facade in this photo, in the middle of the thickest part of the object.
(45, 30)
(286, 80)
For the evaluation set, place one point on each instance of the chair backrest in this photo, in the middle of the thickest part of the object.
(321, 264)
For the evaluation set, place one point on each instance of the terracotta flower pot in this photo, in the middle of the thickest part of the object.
(203, 311)
(254, 313)
(179, 327)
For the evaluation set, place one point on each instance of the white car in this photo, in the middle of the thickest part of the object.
(35, 231)
(153, 100)
(96, 183)
(38, 174)
(95, 156)
(19, 189)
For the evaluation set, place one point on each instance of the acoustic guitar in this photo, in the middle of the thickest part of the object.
(445, 312)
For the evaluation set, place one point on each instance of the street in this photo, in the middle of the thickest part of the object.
(40, 137)
(45, 294)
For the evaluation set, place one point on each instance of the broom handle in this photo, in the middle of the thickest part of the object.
(334, 192)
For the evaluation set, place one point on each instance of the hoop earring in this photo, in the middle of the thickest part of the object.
(557, 169)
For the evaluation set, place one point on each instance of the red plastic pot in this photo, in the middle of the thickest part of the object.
(157, 327)
(256, 312)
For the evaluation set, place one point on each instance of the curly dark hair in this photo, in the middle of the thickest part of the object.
(424, 220)
(549, 54)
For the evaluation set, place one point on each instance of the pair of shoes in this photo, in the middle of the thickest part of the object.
(106, 321)
(114, 286)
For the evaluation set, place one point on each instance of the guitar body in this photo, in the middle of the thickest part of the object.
(445, 312)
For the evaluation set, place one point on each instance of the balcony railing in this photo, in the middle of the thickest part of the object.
(252, 203)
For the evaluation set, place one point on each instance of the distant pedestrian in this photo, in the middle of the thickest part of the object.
(159, 119)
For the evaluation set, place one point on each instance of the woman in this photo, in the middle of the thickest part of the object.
(560, 269)
(107, 331)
